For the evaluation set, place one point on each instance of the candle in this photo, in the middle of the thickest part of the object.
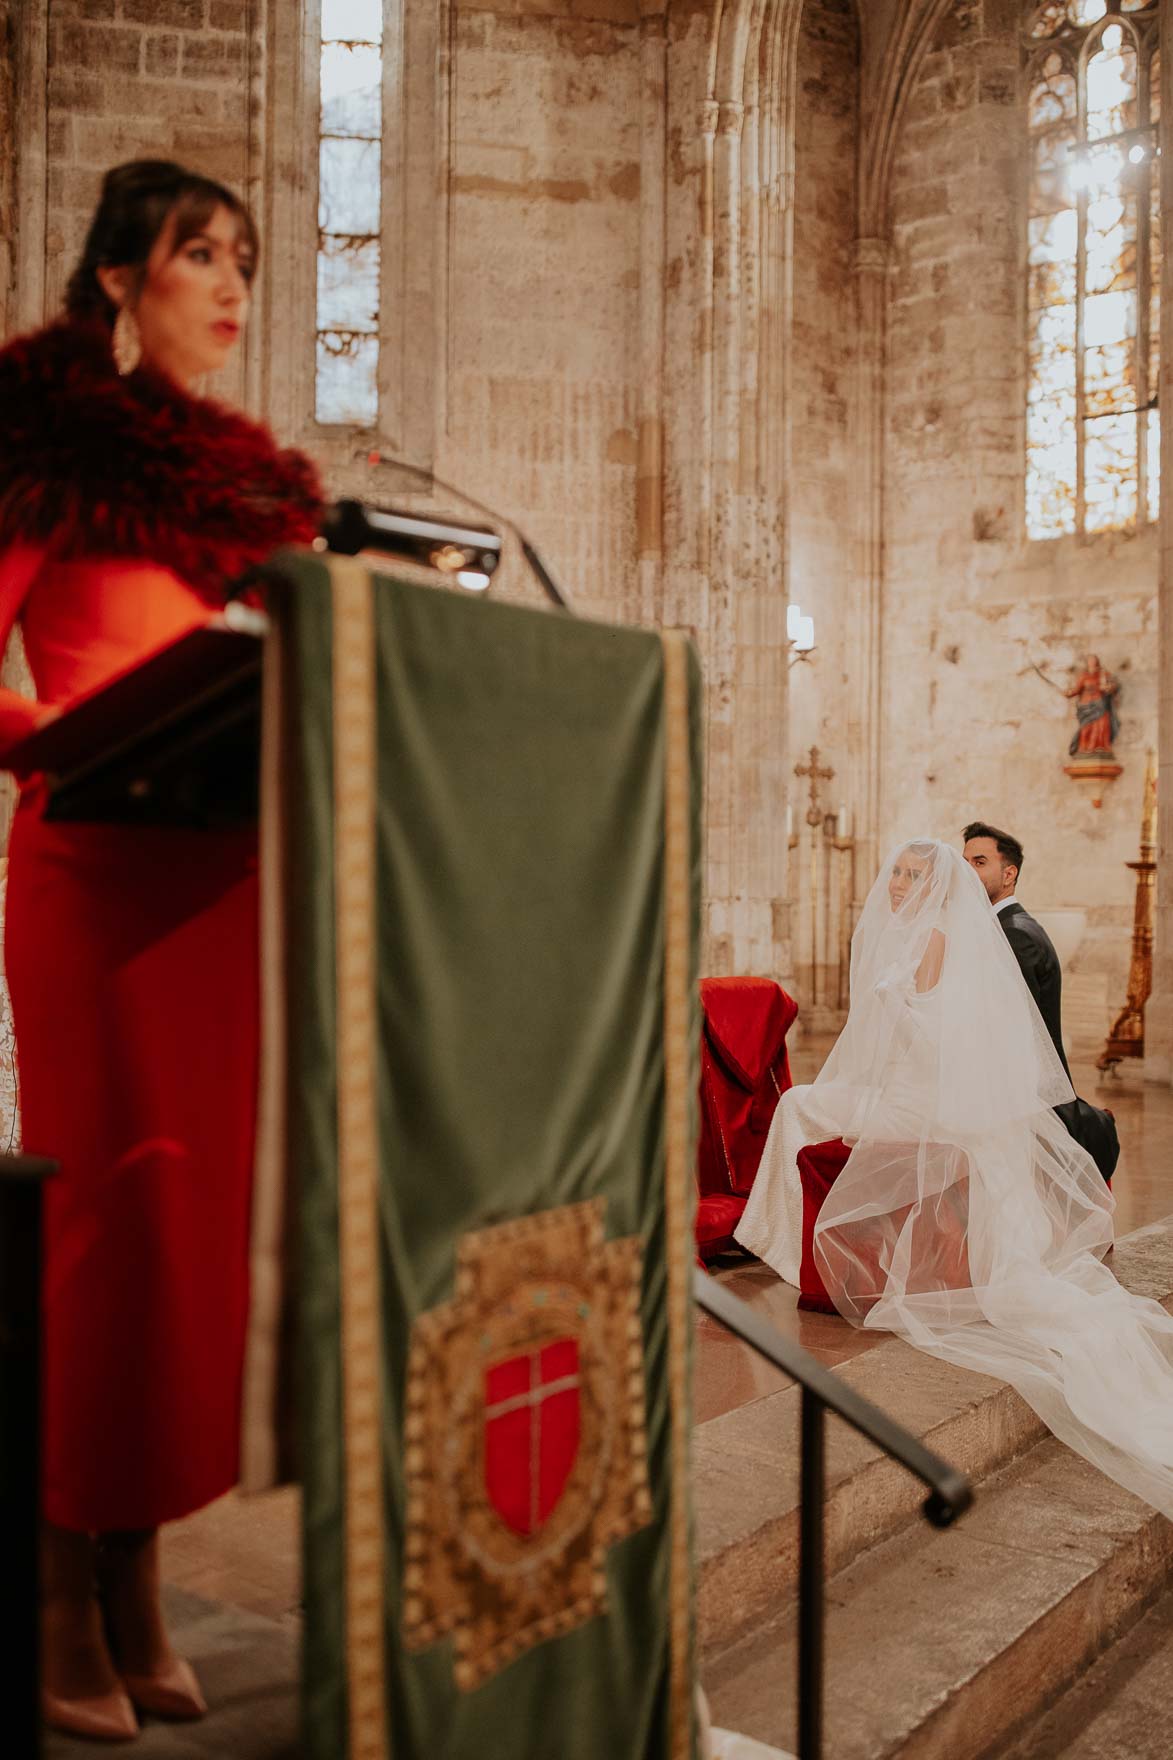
(841, 822)
(789, 821)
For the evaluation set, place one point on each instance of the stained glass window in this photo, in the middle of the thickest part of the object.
(349, 211)
(1093, 256)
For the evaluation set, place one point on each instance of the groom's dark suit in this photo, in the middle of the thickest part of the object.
(1092, 1128)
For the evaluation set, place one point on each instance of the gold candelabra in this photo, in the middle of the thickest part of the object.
(1126, 1038)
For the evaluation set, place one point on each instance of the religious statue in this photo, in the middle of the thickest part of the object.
(1095, 692)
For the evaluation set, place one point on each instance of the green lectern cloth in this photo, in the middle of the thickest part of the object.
(490, 834)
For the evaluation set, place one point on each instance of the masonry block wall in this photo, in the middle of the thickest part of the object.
(135, 78)
(556, 249)
(970, 607)
(543, 191)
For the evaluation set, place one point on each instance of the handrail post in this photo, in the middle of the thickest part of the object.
(21, 1180)
(810, 1578)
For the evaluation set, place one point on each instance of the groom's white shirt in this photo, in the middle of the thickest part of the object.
(1002, 903)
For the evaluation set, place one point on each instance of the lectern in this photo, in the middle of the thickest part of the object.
(173, 740)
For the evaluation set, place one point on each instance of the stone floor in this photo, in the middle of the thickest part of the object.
(233, 1571)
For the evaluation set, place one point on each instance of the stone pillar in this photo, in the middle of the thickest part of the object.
(652, 259)
(864, 708)
(1158, 1060)
(26, 308)
(723, 873)
(251, 382)
(706, 281)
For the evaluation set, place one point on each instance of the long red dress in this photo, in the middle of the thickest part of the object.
(131, 957)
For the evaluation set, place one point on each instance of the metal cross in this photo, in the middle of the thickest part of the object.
(814, 771)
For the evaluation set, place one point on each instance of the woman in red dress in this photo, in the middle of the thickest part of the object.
(126, 504)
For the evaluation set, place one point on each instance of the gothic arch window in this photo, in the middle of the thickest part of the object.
(355, 230)
(1093, 266)
(350, 186)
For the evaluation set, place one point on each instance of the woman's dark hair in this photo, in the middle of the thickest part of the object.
(1009, 847)
(136, 203)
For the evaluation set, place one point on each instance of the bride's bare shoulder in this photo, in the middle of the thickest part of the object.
(932, 961)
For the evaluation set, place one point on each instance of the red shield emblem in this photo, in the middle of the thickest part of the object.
(532, 1422)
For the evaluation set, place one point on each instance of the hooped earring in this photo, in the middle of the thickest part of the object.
(126, 342)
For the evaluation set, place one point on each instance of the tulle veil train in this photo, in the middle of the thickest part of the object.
(966, 1220)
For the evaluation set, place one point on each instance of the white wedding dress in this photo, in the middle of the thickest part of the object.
(966, 1219)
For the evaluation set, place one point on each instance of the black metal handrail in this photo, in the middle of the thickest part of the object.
(21, 1180)
(950, 1494)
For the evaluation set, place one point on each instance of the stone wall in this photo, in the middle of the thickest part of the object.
(136, 78)
(971, 730)
(649, 353)
(543, 227)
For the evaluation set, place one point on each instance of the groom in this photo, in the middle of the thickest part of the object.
(996, 858)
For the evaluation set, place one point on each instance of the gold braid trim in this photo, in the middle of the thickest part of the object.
(355, 791)
(677, 1174)
(260, 1450)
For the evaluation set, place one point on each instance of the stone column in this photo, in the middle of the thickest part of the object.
(1158, 1060)
(251, 388)
(652, 259)
(707, 282)
(26, 308)
(864, 716)
(723, 811)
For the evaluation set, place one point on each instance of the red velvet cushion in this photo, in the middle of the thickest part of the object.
(746, 1022)
(819, 1166)
(744, 1070)
(939, 1246)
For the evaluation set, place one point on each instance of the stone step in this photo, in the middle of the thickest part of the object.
(949, 1644)
(745, 1463)
(1120, 1709)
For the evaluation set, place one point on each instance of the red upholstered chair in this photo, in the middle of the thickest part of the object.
(744, 1071)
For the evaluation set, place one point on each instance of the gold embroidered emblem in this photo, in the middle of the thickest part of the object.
(525, 1434)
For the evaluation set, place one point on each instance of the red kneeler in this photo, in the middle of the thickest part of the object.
(942, 1251)
(744, 1072)
(819, 1166)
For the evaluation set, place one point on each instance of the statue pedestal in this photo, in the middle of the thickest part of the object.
(1093, 773)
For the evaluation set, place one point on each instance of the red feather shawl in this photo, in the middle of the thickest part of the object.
(99, 466)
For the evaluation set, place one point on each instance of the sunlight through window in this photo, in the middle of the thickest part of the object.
(349, 209)
(1093, 255)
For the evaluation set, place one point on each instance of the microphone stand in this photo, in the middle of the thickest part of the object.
(533, 560)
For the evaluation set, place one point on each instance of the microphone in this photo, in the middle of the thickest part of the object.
(533, 560)
(469, 556)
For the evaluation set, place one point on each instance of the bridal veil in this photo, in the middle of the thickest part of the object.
(966, 1219)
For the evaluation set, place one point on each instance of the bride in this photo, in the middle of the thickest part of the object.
(966, 1219)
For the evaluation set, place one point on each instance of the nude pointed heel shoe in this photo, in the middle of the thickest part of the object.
(172, 1692)
(108, 1718)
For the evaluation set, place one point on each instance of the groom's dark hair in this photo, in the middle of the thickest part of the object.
(1009, 847)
